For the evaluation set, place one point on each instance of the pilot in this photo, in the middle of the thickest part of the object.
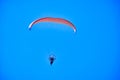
(51, 58)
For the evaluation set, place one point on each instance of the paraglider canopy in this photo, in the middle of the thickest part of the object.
(51, 19)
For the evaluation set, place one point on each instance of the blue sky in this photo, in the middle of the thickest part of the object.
(92, 53)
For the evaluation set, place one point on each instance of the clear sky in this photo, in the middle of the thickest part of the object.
(92, 53)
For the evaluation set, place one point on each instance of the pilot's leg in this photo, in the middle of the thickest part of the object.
(51, 62)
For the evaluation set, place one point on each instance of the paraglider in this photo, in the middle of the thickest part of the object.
(54, 20)
(51, 59)
(51, 19)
